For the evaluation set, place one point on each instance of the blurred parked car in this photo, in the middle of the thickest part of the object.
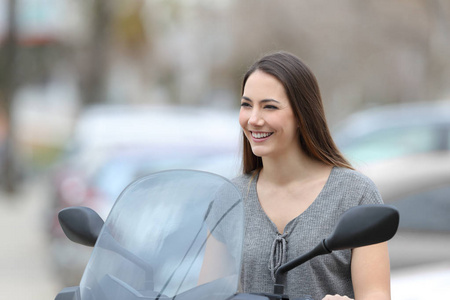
(113, 146)
(102, 130)
(394, 131)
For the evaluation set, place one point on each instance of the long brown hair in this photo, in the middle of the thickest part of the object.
(303, 92)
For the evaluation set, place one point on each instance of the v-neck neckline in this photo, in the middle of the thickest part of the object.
(291, 224)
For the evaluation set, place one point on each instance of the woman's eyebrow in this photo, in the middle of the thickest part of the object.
(262, 101)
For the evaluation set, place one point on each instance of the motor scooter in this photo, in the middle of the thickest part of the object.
(155, 242)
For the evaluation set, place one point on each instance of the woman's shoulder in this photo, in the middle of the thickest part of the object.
(345, 177)
(356, 185)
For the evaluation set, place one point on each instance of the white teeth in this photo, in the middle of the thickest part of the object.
(260, 135)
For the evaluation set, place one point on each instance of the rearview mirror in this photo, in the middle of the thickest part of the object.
(80, 224)
(362, 226)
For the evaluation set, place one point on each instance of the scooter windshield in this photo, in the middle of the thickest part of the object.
(170, 235)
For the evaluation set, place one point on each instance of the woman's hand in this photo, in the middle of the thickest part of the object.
(335, 297)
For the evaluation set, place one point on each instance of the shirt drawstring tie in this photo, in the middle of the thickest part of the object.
(278, 253)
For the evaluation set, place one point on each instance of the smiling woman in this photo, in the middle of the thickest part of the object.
(295, 185)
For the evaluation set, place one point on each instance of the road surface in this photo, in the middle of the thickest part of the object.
(25, 269)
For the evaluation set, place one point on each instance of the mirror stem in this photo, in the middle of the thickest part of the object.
(320, 249)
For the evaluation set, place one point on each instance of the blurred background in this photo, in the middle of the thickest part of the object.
(96, 93)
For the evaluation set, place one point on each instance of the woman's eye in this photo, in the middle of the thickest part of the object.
(245, 104)
(270, 107)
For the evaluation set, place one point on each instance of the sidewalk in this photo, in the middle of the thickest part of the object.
(25, 271)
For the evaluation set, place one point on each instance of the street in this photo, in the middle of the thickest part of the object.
(25, 269)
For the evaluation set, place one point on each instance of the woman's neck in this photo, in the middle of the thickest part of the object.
(298, 167)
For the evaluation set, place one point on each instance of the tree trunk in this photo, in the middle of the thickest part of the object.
(7, 88)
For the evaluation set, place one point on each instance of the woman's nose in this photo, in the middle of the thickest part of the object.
(256, 119)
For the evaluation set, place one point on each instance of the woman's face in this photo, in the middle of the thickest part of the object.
(266, 116)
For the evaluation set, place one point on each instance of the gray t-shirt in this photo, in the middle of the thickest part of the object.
(264, 247)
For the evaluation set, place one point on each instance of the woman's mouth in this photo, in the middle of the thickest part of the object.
(260, 136)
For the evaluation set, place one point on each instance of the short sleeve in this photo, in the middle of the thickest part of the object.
(371, 195)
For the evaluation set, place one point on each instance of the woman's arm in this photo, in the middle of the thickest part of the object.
(216, 262)
(371, 272)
